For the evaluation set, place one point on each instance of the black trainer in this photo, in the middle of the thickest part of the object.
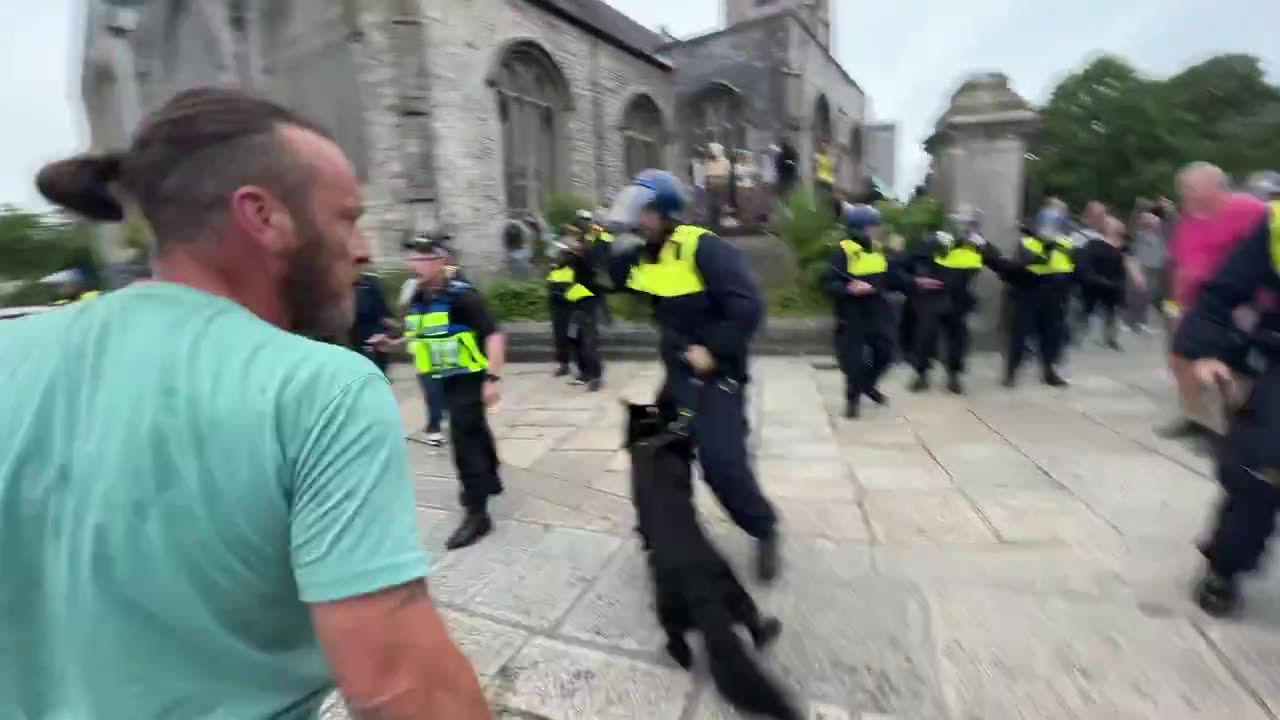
(561, 371)
(1053, 379)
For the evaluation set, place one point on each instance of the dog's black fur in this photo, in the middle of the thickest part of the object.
(695, 588)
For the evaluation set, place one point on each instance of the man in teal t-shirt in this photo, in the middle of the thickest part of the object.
(202, 514)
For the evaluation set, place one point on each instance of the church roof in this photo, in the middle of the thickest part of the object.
(602, 20)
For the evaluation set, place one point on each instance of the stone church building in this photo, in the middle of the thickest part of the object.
(464, 113)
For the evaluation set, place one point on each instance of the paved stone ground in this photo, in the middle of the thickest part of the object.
(1009, 554)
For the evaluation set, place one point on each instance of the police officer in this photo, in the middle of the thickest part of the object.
(574, 282)
(461, 346)
(1248, 463)
(597, 241)
(943, 297)
(1041, 272)
(707, 307)
(559, 279)
(858, 280)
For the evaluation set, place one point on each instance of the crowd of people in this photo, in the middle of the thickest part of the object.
(194, 487)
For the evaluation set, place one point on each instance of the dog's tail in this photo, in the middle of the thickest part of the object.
(736, 674)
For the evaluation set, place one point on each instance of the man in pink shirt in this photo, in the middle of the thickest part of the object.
(1213, 220)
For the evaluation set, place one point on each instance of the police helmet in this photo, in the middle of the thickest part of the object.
(656, 189)
(1265, 184)
(583, 215)
(860, 218)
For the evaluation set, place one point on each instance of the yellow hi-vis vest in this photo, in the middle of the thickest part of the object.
(599, 233)
(88, 295)
(573, 290)
(861, 263)
(1275, 234)
(675, 273)
(440, 347)
(1059, 253)
(825, 171)
(960, 257)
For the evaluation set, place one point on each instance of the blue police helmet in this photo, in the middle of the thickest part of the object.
(657, 189)
(860, 218)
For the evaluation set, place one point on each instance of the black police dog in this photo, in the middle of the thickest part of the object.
(695, 588)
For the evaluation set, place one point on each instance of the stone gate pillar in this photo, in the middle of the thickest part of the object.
(978, 152)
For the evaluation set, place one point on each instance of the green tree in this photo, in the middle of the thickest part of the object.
(1112, 135)
(33, 245)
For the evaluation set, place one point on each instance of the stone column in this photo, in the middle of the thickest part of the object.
(978, 154)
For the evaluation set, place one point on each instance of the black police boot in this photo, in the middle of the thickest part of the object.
(1216, 595)
(1010, 379)
(920, 384)
(561, 371)
(594, 385)
(1053, 379)
(852, 410)
(953, 384)
(475, 526)
(876, 396)
(768, 559)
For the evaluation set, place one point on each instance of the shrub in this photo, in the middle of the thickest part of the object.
(518, 299)
(808, 226)
(561, 208)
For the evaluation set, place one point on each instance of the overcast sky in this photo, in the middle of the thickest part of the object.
(908, 55)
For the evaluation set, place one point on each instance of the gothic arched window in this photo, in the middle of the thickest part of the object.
(718, 117)
(531, 96)
(643, 136)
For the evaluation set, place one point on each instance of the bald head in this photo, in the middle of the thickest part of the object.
(1203, 187)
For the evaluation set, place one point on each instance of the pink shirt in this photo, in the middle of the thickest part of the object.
(1201, 243)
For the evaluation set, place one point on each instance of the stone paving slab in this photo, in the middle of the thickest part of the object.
(1004, 555)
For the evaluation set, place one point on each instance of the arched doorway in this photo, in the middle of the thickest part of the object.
(532, 96)
(643, 135)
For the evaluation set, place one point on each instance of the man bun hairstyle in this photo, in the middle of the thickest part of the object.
(82, 184)
(185, 160)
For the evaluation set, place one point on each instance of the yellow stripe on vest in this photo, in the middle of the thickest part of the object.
(675, 273)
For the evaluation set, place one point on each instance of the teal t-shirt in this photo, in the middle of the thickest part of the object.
(178, 479)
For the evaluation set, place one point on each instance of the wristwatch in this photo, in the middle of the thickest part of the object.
(490, 377)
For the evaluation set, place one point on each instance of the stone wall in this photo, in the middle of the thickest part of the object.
(748, 58)
(821, 74)
(464, 45)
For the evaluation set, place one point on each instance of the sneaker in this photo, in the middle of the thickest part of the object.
(578, 381)
(435, 439)
(1218, 596)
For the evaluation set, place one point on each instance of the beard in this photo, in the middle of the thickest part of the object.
(321, 304)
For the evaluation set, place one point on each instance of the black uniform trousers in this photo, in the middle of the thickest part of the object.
(1039, 311)
(475, 454)
(586, 337)
(561, 318)
(719, 432)
(945, 321)
(863, 344)
(1102, 301)
(1247, 467)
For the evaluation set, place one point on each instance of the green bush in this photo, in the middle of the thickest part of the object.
(913, 220)
(562, 208)
(518, 299)
(808, 226)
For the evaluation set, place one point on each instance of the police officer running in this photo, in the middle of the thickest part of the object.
(858, 280)
(1041, 273)
(458, 343)
(707, 308)
(1248, 463)
(944, 298)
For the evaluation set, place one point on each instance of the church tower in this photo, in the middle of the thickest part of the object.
(816, 14)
